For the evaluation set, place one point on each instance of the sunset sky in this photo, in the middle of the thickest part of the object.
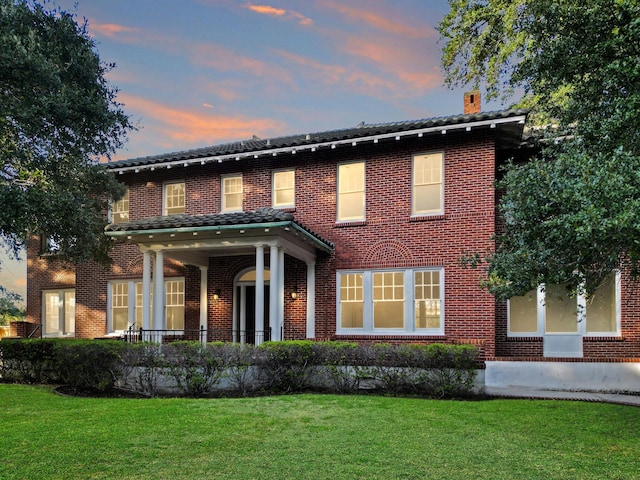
(193, 73)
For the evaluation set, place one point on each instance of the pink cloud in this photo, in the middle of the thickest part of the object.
(380, 22)
(280, 12)
(109, 29)
(223, 59)
(175, 127)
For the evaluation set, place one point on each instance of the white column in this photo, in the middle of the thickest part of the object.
(203, 301)
(259, 294)
(146, 290)
(274, 318)
(158, 292)
(311, 299)
(281, 291)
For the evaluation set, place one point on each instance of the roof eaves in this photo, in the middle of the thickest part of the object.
(313, 142)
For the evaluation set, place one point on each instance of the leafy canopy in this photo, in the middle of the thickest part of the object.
(58, 117)
(571, 215)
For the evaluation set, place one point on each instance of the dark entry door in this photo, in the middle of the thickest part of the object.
(249, 301)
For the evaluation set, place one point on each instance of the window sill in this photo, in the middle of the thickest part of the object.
(355, 223)
(427, 217)
(388, 334)
(285, 209)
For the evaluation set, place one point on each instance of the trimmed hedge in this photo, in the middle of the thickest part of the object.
(195, 369)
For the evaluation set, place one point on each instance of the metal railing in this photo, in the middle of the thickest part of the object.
(134, 335)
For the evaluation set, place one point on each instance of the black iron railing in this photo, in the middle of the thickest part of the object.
(203, 335)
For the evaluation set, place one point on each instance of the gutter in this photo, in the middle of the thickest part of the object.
(286, 225)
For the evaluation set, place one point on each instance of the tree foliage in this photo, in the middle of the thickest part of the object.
(10, 308)
(571, 215)
(58, 117)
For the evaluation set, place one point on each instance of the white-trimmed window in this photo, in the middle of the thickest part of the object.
(284, 187)
(551, 310)
(427, 181)
(120, 209)
(232, 193)
(59, 312)
(174, 198)
(174, 295)
(391, 302)
(125, 304)
(351, 192)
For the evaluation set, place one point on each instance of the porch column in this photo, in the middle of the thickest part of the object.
(281, 291)
(259, 325)
(274, 283)
(203, 301)
(158, 292)
(146, 290)
(311, 299)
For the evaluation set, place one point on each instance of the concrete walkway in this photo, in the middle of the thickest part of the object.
(530, 393)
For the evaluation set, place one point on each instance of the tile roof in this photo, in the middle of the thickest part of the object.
(183, 221)
(360, 131)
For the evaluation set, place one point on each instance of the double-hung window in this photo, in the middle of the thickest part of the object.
(125, 305)
(551, 310)
(428, 179)
(174, 198)
(232, 193)
(120, 209)
(284, 182)
(390, 302)
(59, 312)
(351, 192)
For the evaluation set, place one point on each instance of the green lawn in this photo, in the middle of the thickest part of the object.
(43, 435)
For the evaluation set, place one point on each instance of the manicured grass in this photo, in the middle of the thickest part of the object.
(43, 435)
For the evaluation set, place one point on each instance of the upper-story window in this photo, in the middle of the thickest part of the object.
(284, 183)
(120, 209)
(428, 193)
(232, 193)
(174, 198)
(351, 191)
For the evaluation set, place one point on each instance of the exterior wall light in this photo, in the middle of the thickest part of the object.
(294, 293)
(216, 295)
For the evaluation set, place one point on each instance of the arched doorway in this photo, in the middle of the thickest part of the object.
(244, 307)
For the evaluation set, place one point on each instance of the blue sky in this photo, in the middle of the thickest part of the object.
(193, 73)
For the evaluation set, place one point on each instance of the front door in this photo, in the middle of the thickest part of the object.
(245, 315)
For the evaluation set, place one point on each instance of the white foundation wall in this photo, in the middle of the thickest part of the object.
(587, 376)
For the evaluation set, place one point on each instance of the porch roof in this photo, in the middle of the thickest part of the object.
(257, 221)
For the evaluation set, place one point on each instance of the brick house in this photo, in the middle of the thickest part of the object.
(352, 234)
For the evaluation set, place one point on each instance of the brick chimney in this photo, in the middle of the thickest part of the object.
(472, 102)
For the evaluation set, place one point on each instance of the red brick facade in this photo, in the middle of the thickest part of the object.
(388, 237)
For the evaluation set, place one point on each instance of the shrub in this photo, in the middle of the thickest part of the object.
(239, 360)
(196, 368)
(286, 366)
(29, 361)
(89, 364)
(144, 365)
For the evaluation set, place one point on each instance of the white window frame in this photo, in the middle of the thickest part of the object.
(364, 193)
(132, 305)
(224, 193)
(581, 302)
(425, 213)
(165, 197)
(409, 304)
(66, 330)
(274, 191)
(118, 210)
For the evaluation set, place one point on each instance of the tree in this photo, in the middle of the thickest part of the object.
(58, 117)
(571, 215)
(10, 311)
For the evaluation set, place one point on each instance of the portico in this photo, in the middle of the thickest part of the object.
(195, 239)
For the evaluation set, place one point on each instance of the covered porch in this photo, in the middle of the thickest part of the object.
(262, 241)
